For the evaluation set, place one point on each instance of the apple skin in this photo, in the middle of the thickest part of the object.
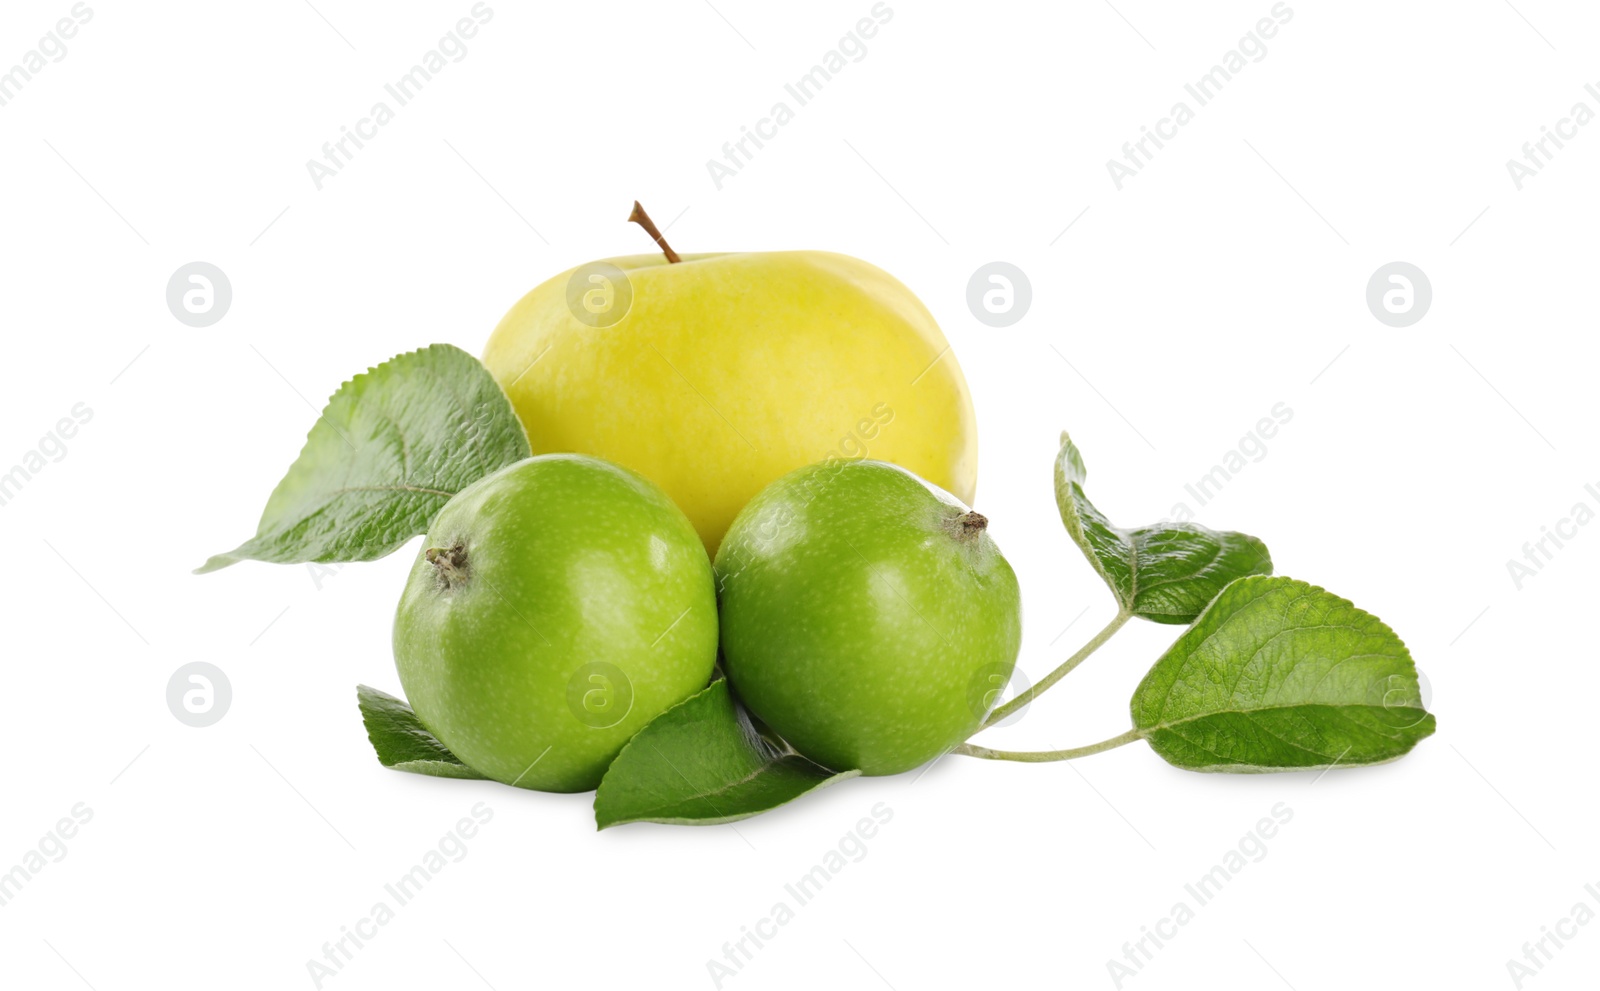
(536, 571)
(866, 616)
(730, 370)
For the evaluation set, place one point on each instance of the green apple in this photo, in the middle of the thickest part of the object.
(557, 606)
(867, 617)
(714, 374)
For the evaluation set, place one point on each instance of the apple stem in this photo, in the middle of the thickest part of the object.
(638, 216)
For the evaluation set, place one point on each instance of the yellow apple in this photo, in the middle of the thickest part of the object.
(715, 374)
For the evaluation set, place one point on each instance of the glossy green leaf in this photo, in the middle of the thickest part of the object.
(1279, 675)
(390, 449)
(402, 742)
(1166, 572)
(702, 762)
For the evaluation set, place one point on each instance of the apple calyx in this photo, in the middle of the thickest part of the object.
(638, 216)
(969, 525)
(450, 565)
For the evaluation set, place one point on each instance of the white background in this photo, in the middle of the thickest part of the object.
(1227, 277)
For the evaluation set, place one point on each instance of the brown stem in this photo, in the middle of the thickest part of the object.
(638, 216)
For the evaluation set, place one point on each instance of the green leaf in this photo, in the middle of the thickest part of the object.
(402, 742)
(700, 763)
(390, 449)
(1166, 572)
(1279, 675)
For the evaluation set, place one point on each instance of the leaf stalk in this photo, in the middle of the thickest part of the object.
(1043, 756)
(1065, 669)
